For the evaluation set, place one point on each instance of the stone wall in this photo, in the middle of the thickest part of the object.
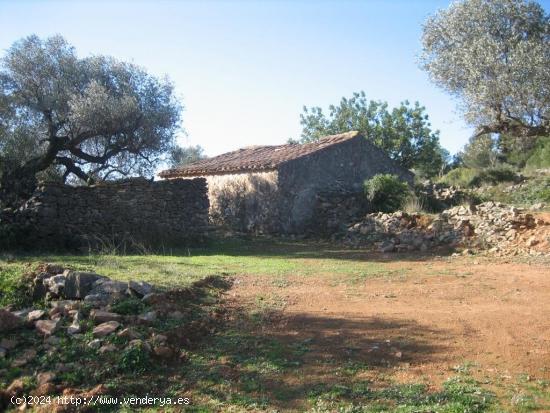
(339, 168)
(127, 214)
(245, 202)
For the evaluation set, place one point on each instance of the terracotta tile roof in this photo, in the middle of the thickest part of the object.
(255, 158)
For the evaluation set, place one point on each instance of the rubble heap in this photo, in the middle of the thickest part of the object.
(491, 226)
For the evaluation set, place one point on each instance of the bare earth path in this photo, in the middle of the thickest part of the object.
(420, 321)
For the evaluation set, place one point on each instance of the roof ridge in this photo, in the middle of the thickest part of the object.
(256, 157)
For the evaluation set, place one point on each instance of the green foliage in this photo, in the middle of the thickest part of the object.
(15, 288)
(493, 56)
(540, 156)
(531, 192)
(181, 156)
(470, 178)
(480, 152)
(386, 193)
(86, 119)
(134, 359)
(493, 176)
(128, 306)
(404, 132)
(461, 177)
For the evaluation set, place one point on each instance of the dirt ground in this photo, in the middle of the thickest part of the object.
(421, 321)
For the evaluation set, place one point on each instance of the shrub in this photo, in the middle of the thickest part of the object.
(386, 193)
(128, 306)
(493, 176)
(540, 158)
(459, 177)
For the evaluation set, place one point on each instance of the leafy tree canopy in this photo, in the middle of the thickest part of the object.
(403, 132)
(87, 119)
(494, 56)
(180, 156)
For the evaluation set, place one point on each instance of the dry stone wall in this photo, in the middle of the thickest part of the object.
(132, 213)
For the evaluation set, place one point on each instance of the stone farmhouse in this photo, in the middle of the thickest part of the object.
(274, 189)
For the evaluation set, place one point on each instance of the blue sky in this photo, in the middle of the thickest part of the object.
(245, 69)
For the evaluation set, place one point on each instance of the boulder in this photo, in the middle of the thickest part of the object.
(100, 316)
(35, 315)
(79, 284)
(140, 288)
(9, 321)
(55, 284)
(105, 329)
(47, 327)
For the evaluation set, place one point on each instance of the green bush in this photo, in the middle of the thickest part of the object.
(386, 193)
(461, 177)
(540, 158)
(469, 178)
(493, 176)
(128, 306)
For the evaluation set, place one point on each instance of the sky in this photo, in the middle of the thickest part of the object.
(245, 69)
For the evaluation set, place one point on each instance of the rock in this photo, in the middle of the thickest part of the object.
(140, 344)
(105, 329)
(44, 389)
(9, 321)
(105, 292)
(53, 269)
(100, 316)
(148, 317)
(163, 352)
(159, 339)
(537, 206)
(107, 348)
(25, 358)
(386, 246)
(79, 284)
(46, 327)
(55, 284)
(16, 387)
(128, 333)
(140, 288)
(53, 341)
(8, 344)
(3, 352)
(35, 315)
(45, 377)
(95, 344)
(176, 315)
(532, 241)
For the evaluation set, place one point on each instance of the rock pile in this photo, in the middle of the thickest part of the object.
(440, 196)
(491, 226)
(93, 313)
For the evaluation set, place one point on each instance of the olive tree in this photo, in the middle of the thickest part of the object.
(494, 56)
(84, 119)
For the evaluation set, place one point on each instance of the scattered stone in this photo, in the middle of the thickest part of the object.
(140, 344)
(163, 352)
(55, 284)
(8, 344)
(25, 358)
(95, 344)
(107, 348)
(148, 317)
(9, 321)
(538, 206)
(45, 377)
(128, 333)
(387, 246)
(100, 316)
(44, 389)
(176, 315)
(16, 387)
(79, 284)
(53, 341)
(106, 328)
(35, 315)
(140, 288)
(47, 327)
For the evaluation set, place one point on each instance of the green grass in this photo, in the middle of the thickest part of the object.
(179, 268)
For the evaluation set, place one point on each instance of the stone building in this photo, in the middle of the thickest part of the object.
(275, 189)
